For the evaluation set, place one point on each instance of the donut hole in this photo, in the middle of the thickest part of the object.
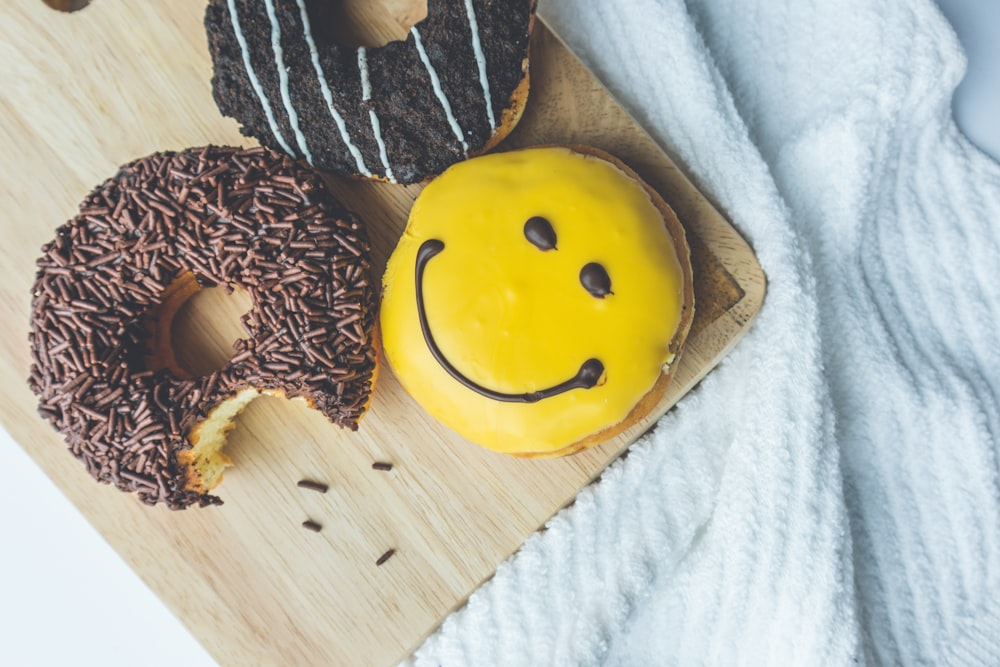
(354, 23)
(194, 329)
(206, 326)
(67, 5)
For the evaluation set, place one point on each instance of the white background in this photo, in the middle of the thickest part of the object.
(67, 598)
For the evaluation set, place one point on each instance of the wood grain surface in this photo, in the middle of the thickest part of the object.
(83, 92)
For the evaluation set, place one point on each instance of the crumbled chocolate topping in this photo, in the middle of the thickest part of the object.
(250, 218)
(418, 138)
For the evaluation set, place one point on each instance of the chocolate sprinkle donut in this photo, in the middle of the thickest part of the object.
(402, 112)
(218, 216)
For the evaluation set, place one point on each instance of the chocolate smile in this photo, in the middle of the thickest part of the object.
(589, 374)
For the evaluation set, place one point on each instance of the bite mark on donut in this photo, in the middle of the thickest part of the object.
(205, 462)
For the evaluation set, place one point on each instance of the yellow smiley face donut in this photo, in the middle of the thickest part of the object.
(537, 299)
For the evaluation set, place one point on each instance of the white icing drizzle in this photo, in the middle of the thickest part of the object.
(366, 95)
(442, 98)
(286, 97)
(254, 81)
(477, 49)
(327, 95)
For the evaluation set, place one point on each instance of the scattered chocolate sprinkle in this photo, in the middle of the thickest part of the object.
(313, 486)
(384, 557)
(229, 217)
(378, 465)
(312, 525)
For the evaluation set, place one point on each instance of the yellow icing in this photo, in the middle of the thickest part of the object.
(516, 319)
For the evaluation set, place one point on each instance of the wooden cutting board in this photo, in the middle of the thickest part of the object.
(84, 92)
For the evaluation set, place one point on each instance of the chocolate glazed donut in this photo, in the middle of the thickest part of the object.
(402, 112)
(110, 282)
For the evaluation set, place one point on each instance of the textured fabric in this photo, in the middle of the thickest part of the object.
(829, 495)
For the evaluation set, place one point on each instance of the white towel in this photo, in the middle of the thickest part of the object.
(829, 495)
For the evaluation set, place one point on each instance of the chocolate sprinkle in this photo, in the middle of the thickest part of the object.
(227, 216)
(312, 525)
(385, 467)
(313, 486)
(384, 557)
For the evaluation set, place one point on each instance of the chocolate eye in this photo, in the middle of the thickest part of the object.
(595, 280)
(540, 234)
